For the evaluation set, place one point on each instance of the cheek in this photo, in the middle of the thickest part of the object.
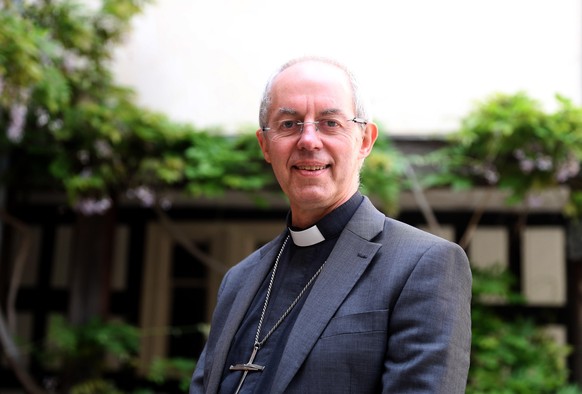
(277, 158)
(347, 153)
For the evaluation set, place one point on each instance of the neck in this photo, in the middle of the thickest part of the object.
(304, 218)
(304, 223)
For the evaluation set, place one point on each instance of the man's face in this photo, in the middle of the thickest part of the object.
(317, 171)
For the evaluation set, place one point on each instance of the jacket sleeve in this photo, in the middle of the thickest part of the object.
(197, 383)
(430, 326)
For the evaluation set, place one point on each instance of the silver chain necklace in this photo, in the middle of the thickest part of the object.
(249, 366)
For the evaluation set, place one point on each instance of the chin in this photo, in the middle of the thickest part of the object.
(310, 199)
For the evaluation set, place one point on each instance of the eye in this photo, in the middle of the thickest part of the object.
(287, 124)
(331, 123)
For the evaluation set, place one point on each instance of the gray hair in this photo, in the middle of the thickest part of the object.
(357, 96)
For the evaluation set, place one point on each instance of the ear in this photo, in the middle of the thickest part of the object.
(264, 144)
(370, 136)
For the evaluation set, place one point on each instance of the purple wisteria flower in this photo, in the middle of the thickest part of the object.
(17, 120)
(143, 194)
(93, 206)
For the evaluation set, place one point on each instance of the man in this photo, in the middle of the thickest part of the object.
(345, 300)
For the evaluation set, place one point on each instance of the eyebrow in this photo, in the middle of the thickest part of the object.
(287, 111)
(331, 111)
(325, 112)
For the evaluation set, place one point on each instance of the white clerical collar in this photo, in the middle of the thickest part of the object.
(308, 237)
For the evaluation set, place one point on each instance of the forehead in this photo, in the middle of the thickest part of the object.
(312, 86)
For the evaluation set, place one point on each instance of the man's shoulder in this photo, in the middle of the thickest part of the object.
(258, 254)
(395, 228)
(369, 219)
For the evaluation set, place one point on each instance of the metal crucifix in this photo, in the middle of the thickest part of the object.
(247, 367)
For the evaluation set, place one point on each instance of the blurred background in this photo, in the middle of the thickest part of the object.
(424, 63)
(131, 178)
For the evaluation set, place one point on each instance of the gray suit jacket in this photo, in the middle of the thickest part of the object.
(390, 313)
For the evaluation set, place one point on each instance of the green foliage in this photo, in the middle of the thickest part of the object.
(71, 128)
(20, 55)
(79, 352)
(217, 163)
(383, 175)
(67, 343)
(89, 345)
(95, 386)
(177, 368)
(509, 141)
(511, 356)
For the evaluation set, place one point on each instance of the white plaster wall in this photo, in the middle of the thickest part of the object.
(489, 247)
(544, 265)
(424, 61)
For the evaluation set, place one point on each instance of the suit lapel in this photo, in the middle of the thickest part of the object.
(244, 297)
(344, 267)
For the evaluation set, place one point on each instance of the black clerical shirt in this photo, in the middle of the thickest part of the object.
(296, 266)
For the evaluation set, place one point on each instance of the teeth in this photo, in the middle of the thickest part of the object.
(311, 168)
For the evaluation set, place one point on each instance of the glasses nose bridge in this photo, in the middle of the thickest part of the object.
(303, 124)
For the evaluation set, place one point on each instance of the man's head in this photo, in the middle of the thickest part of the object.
(316, 135)
(360, 104)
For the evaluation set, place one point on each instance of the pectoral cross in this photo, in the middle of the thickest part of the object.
(247, 367)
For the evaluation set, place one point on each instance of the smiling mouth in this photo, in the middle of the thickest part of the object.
(312, 168)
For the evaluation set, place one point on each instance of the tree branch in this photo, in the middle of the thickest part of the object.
(17, 268)
(8, 325)
(475, 219)
(420, 198)
(177, 236)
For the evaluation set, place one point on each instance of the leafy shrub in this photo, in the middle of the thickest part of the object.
(78, 355)
(509, 141)
(511, 356)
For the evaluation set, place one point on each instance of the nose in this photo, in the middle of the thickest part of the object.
(309, 138)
